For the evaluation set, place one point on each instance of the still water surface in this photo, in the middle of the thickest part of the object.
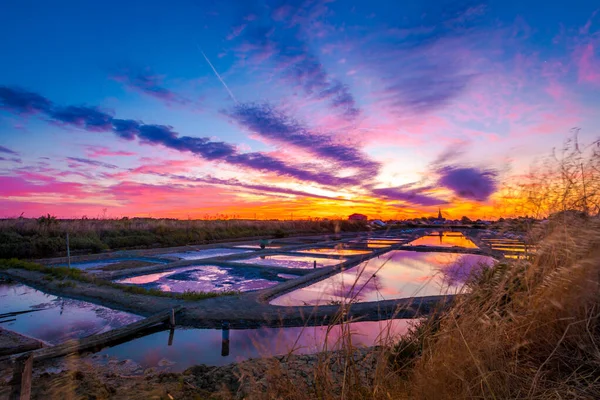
(205, 278)
(444, 240)
(394, 275)
(56, 319)
(205, 346)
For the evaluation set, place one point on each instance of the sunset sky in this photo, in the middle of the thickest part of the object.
(280, 109)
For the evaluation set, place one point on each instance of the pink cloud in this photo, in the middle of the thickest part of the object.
(588, 65)
(101, 151)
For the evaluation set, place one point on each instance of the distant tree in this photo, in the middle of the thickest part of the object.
(465, 220)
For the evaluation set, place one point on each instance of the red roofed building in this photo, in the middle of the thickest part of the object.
(357, 217)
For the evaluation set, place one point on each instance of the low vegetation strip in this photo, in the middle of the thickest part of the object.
(69, 276)
(46, 236)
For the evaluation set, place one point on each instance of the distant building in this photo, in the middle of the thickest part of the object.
(378, 222)
(357, 217)
(439, 217)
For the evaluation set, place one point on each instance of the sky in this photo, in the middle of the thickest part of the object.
(287, 109)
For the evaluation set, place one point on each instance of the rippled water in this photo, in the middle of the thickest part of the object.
(205, 346)
(56, 319)
(205, 278)
(280, 260)
(394, 275)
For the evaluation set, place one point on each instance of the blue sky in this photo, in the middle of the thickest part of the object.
(337, 105)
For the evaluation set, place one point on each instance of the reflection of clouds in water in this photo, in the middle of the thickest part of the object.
(205, 278)
(203, 346)
(58, 319)
(399, 274)
(292, 261)
(458, 271)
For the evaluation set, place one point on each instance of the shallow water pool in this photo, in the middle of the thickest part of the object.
(56, 319)
(205, 346)
(205, 278)
(111, 261)
(335, 252)
(443, 240)
(208, 253)
(281, 260)
(394, 275)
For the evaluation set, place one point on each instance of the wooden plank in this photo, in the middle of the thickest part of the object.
(101, 340)
(21, 381)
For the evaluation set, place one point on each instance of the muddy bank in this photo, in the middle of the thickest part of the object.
(86, 378)
(13, 343)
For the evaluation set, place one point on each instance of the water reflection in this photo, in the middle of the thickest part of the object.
(200, 254)
(215, 347)
(335, 251)
(205, 278)
(285, 261)
(56, 319)
(444, 239)
(394, 275)
(111, 261)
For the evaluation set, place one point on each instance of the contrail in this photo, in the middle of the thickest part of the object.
(218, 76)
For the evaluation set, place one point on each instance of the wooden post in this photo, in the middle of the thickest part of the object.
(315, 264)
(21, 381)
(171, 335)
(172, 319)
(225, 339)
(68, 252)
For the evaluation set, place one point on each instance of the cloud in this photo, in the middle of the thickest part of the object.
(588, 65)
(88, 118)
(424, 64)
(92, 119)
(412, 196)
(94, 163)
(469, 183)
(126, 128)
(238, 184)
(12, 159)
(8, 151)
(279, 39)
(20, 101)
(272, 124)
(100, 151)
(150, 84)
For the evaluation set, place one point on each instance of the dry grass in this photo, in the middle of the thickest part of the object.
(46, 236)
(528, 330)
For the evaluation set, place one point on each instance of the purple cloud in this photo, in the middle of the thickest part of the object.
(88, 118)
(469, 183)
(92, 119)
(273, 124)
(8, 151)
(412, 196)
(13, 159)
(126, 128)
(94, 163)
(279, 39)
(424, 64)
(238, 184)
(20, 101)
(148, 83)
